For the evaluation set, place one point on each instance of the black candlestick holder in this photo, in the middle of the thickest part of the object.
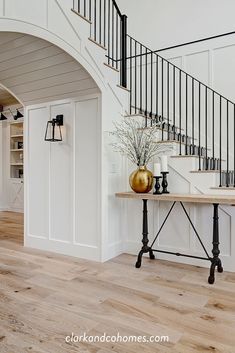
(157, 185)
(164, 183)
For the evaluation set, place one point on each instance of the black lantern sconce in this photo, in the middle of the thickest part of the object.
(53, 130)
(18, 115)
(2, 117)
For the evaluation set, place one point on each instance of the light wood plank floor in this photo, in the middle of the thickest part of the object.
(45, 297)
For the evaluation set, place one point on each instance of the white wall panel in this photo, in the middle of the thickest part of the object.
(61, 178)
(197, 64)
(224, 70)
(38, 173)
(20, 10)
(86, 172)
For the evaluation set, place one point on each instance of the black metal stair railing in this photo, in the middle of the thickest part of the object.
(108, 29)
(199, 119)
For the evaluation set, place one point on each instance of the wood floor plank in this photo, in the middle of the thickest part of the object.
(45, 296)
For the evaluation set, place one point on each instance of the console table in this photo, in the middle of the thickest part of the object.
(214, 200)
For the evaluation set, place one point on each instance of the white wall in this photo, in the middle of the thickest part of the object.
(62, 180)
(158, 23)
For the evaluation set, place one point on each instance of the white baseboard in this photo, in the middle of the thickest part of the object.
(75, 250)
(112, 250)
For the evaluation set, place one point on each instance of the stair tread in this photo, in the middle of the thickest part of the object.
(194, 156)
(80, 15)
(228, 188)
(178, 142)
(210, 171)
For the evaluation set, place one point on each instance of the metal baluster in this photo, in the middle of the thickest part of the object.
(168, 102)
(100, 21)
(135, 76)
(123, 41)
(193, 139)
(227, 174)
(79, 6)
(130, 68)
(199, 124)
(220, 141)
(180, 111)
(206, 137)
(117, 40)
(109, 29)
(95, 16)
(141, 78)
(151, 89)
(186, 116)
(213, 129)
(90, 10)
(157, 86)
(84, 8)
(104, 23)
(174, 101)
(113, 34)
(163, 124)
(146, 85)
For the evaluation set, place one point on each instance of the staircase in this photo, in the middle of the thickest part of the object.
(196, 119)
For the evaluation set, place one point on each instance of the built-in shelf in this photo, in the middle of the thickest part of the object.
(16, 150)
(15, 136)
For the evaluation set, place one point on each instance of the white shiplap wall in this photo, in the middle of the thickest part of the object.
(38, 71)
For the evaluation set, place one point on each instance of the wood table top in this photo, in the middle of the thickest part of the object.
(193, 198)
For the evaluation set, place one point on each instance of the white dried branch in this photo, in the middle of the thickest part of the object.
(136, 142)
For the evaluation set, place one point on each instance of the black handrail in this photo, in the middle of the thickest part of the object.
(195, 41)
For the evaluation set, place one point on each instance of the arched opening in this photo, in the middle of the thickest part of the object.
(57, 178)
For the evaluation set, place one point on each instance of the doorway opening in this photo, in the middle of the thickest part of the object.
(12, 167)
(48, 82)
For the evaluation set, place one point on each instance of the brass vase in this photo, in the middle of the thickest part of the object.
(141, 180)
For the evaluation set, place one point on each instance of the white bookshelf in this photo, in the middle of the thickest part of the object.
(17, 150)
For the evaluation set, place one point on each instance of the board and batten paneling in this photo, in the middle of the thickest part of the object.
(87, 173)
(37, 173)
(36, 71)
(63, 179)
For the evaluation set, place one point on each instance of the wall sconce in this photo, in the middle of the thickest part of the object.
(53, 130)
(18, 115)
(2, 117)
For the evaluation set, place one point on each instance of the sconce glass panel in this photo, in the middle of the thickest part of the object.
(53, 129)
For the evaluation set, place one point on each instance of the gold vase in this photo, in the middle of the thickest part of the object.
(141, 180)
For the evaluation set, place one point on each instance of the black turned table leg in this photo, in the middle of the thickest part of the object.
(145, 248)
(215, 260)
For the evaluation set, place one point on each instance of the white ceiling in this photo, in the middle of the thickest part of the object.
(37, 71)
(6, 99)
